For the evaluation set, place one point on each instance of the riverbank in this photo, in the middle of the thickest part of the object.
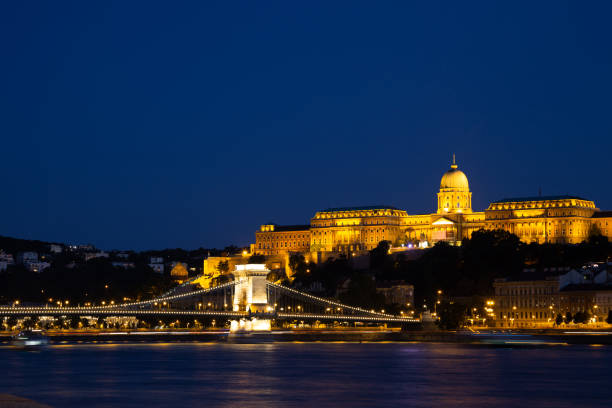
(510, 338)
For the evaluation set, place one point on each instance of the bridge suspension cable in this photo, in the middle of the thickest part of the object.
(175, 297)
(327, 301)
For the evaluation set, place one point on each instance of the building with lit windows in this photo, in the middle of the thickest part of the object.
(535, 299)
(272, 239)
(350, 230)
(530, 300)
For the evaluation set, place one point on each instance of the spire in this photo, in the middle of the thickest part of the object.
(454, 165)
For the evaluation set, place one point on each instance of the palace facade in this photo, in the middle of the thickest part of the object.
(544, 219)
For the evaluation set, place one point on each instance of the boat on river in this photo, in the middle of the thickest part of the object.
(30, 339)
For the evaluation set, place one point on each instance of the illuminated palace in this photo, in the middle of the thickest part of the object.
(551, 219)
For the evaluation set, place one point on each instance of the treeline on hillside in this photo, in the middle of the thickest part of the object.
(15, 245)
(95, 281)
(466, 271)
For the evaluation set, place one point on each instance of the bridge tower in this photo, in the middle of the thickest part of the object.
(251, 296)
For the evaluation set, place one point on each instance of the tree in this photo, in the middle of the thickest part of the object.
(582, 317)
(223, 267)
(362, 292)
(84, 323)
(579, 317)
(297, 264)
(11, 322)
(594, 232)
(220, 280)
(73, 321)
(60, 322)
(559, 319)
(568, 318)
(278, 275)
(379, 256)
(257, 259)
(30, 322)
(452, 315)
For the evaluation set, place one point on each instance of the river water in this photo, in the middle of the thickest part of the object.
(309, 375)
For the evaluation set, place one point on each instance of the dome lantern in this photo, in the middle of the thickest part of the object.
(454, 195)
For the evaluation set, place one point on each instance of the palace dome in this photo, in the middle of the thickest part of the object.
(454, 178)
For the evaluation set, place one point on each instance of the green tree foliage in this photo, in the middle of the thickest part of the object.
(223, 267)
(84, 283)
(379, 256)
(582, 317)
(11, 322)
(298, 265)
(60, 323)
(30, 323)
(257, 259)
(73, 322)
(278, 275)
(330, 274)
(452, 315)
(362, 292)
(220, 280)
(488, 255)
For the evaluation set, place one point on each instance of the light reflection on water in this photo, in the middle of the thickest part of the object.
(308, 374)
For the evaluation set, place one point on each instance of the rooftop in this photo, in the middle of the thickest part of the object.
(281, 228)
(574, 287)
(532, 277)
(368, 207)
(539, 198)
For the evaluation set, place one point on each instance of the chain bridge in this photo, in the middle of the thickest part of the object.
(250, 302)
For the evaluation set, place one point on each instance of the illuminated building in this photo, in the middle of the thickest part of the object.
(396, 292)
(531, 300)
(555, 219)
(179, 270)
(349, 230)
(534, 299)
(272, 239)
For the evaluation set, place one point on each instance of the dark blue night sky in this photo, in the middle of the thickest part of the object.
(173, 124)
